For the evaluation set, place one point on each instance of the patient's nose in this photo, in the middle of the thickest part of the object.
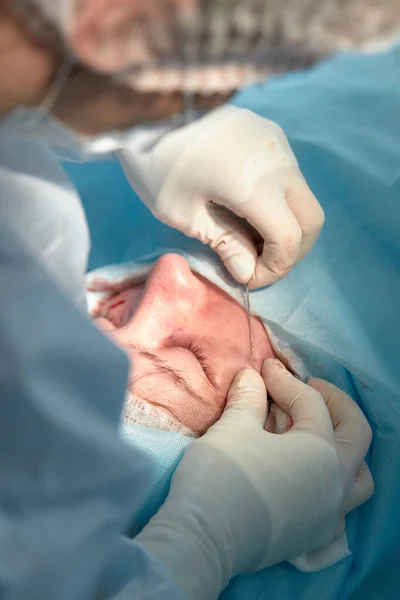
(171, 295)
(172, 280)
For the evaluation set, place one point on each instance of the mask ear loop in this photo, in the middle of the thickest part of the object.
(53, 93)
(190, 30)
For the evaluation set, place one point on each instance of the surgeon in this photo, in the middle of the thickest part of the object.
(98, 77)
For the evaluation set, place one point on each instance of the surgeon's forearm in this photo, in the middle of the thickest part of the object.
(187, 554)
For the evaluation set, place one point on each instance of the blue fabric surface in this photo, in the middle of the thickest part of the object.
(68, 483)
(338, 309)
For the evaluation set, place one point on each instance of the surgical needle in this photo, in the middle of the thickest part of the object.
(249, 322)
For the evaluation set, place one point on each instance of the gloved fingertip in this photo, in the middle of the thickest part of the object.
(340, 529)
(323, 387)
(241, 268)
(272, 366)
(248, 393)
(364, 480)
(248, 379)
(257, 282)
(262, 277)
(315, 382)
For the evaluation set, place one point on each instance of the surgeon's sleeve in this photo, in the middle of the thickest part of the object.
(68, 483)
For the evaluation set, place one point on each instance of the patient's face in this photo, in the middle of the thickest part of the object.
(187, 340)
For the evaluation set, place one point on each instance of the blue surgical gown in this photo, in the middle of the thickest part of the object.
(68, 483)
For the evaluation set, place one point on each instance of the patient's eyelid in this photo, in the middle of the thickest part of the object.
(198, 352)
(160, 367)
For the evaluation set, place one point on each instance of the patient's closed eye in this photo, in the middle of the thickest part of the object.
(200, 355)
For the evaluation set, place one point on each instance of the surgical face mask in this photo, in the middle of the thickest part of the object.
(31, 123)
(39, 124)
(202, 53)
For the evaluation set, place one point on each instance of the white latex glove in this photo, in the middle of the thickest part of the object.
(205, 178)
(353, 438)
(243, 499)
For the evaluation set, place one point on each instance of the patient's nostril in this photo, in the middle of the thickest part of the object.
(119, 308)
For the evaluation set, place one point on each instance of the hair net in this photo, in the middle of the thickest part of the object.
(140, 412)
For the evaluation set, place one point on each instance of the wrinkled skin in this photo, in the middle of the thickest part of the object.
(176, 315)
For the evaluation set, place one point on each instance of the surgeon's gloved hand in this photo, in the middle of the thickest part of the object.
(243, 499)
(231, 180)
(353, 438)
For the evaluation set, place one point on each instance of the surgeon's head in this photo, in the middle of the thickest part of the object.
(133, 61)
(187, 340)
(104, 38)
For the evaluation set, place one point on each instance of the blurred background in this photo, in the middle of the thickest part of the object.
(302, 32)
(231, 43)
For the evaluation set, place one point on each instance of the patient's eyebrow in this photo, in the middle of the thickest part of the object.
(162, 368)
